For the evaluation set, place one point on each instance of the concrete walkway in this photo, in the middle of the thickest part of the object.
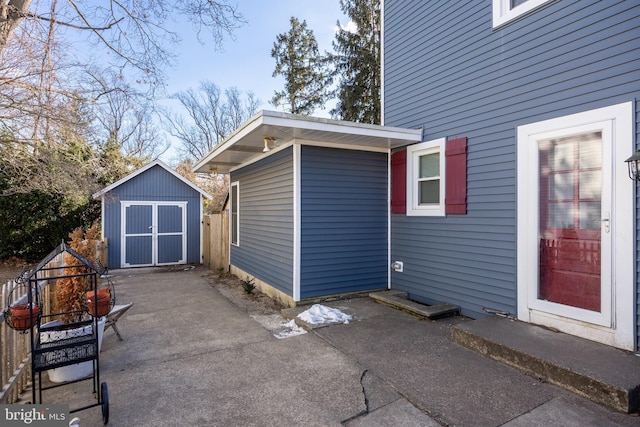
(191, 357)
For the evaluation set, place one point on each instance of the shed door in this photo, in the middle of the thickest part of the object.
(153, 233)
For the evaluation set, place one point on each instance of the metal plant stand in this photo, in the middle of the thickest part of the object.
(53, 344)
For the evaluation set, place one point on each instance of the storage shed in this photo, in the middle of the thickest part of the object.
(152, 217)
(309, 203)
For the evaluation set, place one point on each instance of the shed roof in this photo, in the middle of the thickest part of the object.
(246, 143)
(137, 172)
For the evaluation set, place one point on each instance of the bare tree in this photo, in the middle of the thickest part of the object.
(42, 73)
(143, 138)
(31, 67)
(131, 30)
(215, 184)
(125, 117)
(12, 12)
(239, 110)
(45, 125)
(127, 37)
(211, 118)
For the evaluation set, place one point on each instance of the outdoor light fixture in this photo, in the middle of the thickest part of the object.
(633, 164)
(266, 148)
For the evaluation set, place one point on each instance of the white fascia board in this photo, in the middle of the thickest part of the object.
(246, 128)
(274, 118)
(288, 123)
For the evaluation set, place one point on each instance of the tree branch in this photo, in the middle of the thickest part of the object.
(68, 24)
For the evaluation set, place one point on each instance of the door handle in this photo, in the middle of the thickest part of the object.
(607, 222)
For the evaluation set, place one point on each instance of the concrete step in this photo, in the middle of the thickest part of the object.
(603, 374)
(400, 301)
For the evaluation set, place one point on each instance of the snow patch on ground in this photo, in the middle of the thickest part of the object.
(279, 327)
(319, 314)
(290, 329)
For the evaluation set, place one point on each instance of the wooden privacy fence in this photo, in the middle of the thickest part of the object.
(215, 241)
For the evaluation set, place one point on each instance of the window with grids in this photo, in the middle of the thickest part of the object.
(425, 178)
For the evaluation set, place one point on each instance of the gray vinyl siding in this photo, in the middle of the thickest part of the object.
(344, 218)
(154, 185)
(265, 249)
(447, 70)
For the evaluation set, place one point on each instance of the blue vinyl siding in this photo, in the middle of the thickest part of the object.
(266, 220)
(153, 185)
(447, 70)
(344, 217)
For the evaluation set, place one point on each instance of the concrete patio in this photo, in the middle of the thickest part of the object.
(191, 356)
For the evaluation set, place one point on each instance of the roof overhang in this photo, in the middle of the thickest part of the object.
(246, 144)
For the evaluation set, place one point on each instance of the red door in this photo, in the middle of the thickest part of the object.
(570, 220)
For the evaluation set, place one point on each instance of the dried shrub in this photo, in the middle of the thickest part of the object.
(70, 291)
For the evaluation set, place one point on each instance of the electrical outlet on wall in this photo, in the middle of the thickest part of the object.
(398, 266)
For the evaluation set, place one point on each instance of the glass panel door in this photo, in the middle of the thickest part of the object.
(570, 220)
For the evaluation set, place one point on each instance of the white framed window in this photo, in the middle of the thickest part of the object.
(425, 178)
(235, 214)
(507, 10)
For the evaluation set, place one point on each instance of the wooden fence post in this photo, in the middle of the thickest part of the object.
(206, 241)
(216, 241)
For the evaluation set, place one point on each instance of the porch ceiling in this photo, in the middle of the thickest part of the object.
(247, 142)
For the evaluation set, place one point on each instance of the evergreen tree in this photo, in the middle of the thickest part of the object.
(45, 194)
(114, 164)
(304, 70)
(357, 63)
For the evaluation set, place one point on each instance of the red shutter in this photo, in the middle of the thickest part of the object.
(455, 200)
(399, 182)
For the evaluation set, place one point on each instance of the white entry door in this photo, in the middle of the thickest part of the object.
(575, 225)
(153, 233)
